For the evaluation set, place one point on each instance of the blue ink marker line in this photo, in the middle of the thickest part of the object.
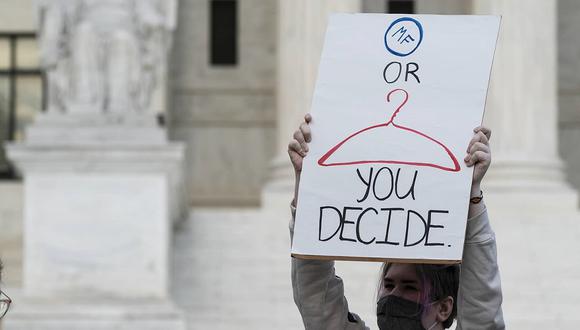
(404, 19)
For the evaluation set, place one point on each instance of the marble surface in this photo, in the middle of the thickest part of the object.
(301, 25)
(103, 233)
(190, 67)
(10, 209)
(231, 269)
(97, 230)
(16, 15)
(522, 107)
(568, 45)
(103, 56)
(225, 114)
(89, 314)
(93, 215)
(227, 166)
(443, 7)
(250, 288)
(569, 87)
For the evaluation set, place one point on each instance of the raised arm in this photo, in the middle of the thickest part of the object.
(318, 292)
(480, 296)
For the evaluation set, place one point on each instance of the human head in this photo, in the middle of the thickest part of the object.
(3, 303)
(4, 300)
(432, 286)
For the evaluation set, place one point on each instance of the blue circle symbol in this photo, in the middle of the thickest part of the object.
(403, 36)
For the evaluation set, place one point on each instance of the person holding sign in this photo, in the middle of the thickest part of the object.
(5, 301)
(410, 296)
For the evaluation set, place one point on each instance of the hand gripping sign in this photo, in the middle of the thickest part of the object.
(394, 108)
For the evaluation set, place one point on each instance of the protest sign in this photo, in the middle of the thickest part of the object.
(394, 108)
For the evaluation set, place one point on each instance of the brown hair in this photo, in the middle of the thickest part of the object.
(441, 281)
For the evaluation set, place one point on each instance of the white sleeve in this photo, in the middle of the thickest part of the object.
(479, 297)
(319, 294)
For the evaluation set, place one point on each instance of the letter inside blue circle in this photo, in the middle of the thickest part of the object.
(403, 19)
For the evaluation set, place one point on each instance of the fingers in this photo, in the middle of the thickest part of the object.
(478, 157)
(301, 137)
(479, 137)
(305, 129)
(295, 146)
(477, 148)
(486, 131)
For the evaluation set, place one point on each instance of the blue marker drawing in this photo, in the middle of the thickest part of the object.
(404, 38)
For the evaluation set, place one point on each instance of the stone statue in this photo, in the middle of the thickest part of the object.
(52, 44)
(104, 56)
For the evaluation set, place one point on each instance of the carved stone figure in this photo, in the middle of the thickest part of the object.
(52, 37)
(104, 56)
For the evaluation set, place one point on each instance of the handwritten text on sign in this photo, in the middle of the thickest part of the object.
(394, 107)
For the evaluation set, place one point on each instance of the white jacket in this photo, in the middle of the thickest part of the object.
(319, 293)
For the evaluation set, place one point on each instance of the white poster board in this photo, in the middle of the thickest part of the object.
(394, 108)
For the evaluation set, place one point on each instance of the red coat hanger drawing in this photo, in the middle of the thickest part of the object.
(402, 134)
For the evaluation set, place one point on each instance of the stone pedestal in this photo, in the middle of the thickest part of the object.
(301, 31)
(117, 134)
(104, 314)
(527, 172)
(100, 193)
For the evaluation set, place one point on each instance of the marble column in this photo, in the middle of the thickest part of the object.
(533, 210)
(527, 172)
(301, 30)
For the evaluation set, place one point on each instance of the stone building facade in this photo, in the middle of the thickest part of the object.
(240, 77)
(226, 113)
(222, 110)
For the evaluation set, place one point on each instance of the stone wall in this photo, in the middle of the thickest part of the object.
(443, 7)
(16, 15)
(451, 7)
(569, 87)
(11, 207)
(226, 115)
